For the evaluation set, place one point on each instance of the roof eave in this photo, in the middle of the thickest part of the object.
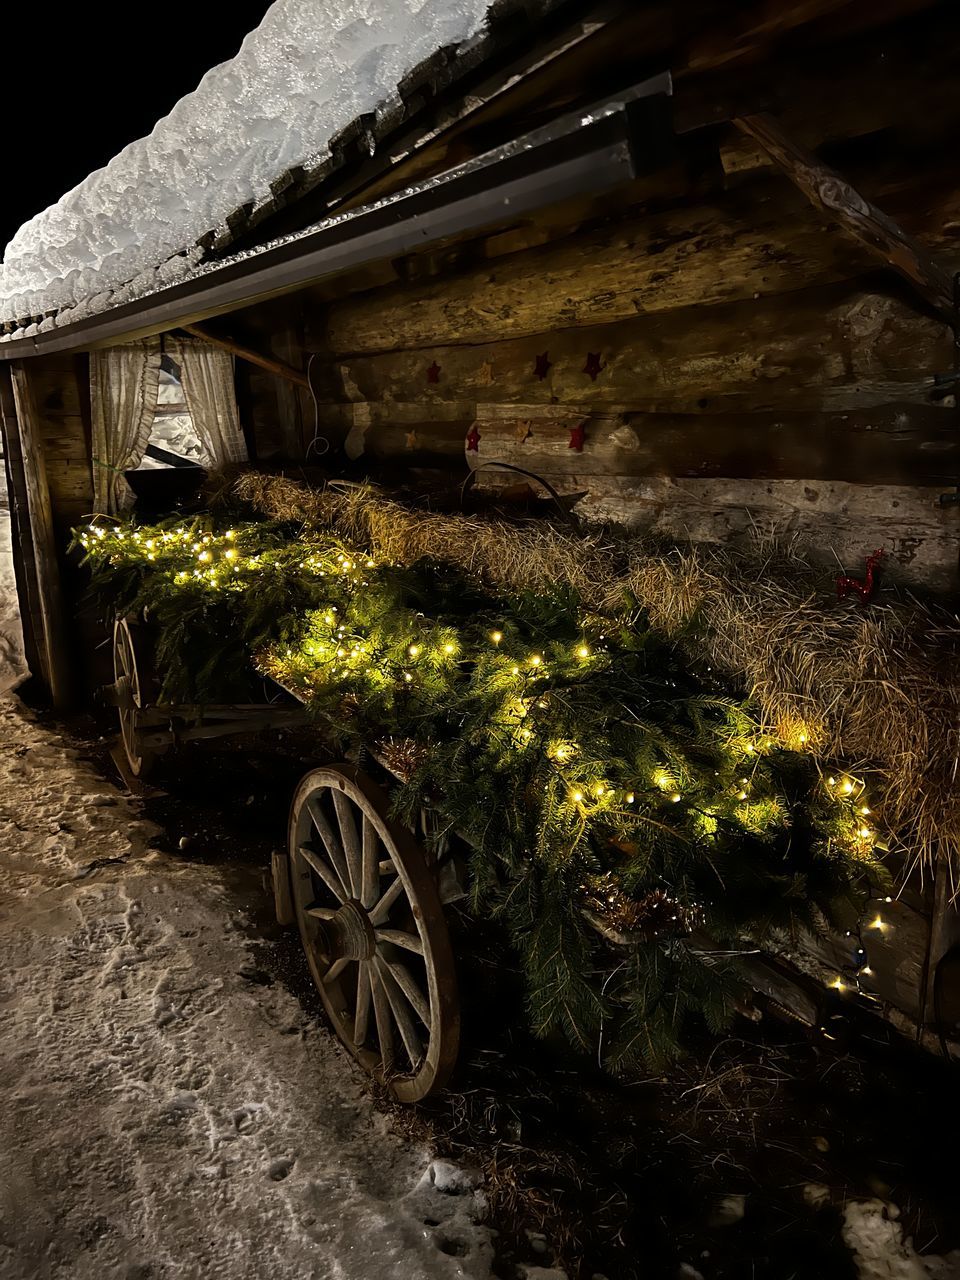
(589, 152)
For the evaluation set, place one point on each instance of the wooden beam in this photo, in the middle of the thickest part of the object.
(52, 643)
(861, 219)
(269, 363)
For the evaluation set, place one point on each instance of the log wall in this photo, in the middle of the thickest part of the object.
(734, 361)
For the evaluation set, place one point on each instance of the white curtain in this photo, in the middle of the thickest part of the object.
(124, 382)
(206, 375)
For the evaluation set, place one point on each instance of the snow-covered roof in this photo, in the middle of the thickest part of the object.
(309, 71)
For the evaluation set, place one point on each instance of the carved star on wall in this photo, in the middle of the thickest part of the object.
(485, 373)
(541, 365)
(433, 372)
(523, 430)
(594, 365)
(412, 441)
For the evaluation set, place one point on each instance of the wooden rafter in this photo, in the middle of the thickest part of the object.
(272, 365)
(858, 217)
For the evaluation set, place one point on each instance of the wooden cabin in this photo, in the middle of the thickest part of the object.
(692, 261)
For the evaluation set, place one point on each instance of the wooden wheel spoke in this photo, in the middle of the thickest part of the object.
(381, 1013)
(326, 874)
(333, 847)
(401, 1015)
(409, 941)
(370, 886)
(408, 985)
(319, 912)
(350, 842)
(336, 969)
(361, 1017)
(380, 912)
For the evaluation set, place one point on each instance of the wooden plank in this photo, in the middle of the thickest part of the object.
(889, 444)
(836, 349)
(758, 239)
(831, 521)
(418, 443)
(53, 641)
(857, 216)
(24, 561)
(278, 367)
(710, 252)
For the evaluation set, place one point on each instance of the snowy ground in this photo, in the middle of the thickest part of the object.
(162, 1114)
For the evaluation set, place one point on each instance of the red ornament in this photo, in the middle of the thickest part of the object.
(541, 365)
(433, 372)
(577, 437)
(594, 365)
(473, 440)
(865, 588)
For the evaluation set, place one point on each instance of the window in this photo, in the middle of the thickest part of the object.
(173, 440)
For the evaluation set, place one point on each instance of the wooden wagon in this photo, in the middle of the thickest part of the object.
(366, 895)
(692, 265)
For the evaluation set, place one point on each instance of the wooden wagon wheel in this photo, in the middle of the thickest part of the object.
(131, 682)
(374, 932)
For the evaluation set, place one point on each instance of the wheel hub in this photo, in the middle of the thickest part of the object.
(353, 936)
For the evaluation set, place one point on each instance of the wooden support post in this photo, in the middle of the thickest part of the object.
(50, 639)
(269, 363)
(856, 215)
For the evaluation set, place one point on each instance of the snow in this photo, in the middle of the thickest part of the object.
(13, 667)
(308, 70)
(164, 1116)
(875, 1238)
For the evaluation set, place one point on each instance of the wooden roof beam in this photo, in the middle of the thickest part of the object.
(278, 367)
(857, 216)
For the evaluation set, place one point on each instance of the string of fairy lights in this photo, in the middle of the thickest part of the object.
(399, 651)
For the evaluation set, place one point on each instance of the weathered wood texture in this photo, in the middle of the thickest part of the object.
(752, 242)
(894, 444)
(836, 349)
(857, 217)
(60, 393)
(24, 560)
(51, 640)
(833, 522)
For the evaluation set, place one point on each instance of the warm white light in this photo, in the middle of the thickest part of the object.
(496, 636)
(414, 651)
(583, 651)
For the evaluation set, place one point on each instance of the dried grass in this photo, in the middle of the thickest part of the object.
(876, 687)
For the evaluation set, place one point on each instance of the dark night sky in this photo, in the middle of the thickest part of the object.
(82, 80)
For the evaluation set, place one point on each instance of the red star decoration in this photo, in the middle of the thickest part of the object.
(577, 437)
(594, 365)
(473, 440)
(541, 365)
(433, 372)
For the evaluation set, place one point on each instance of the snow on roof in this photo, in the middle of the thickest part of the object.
(310, 69)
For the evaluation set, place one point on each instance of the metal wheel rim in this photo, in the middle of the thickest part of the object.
(359, 931)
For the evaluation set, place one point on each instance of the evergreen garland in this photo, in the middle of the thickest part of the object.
(631, 824)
